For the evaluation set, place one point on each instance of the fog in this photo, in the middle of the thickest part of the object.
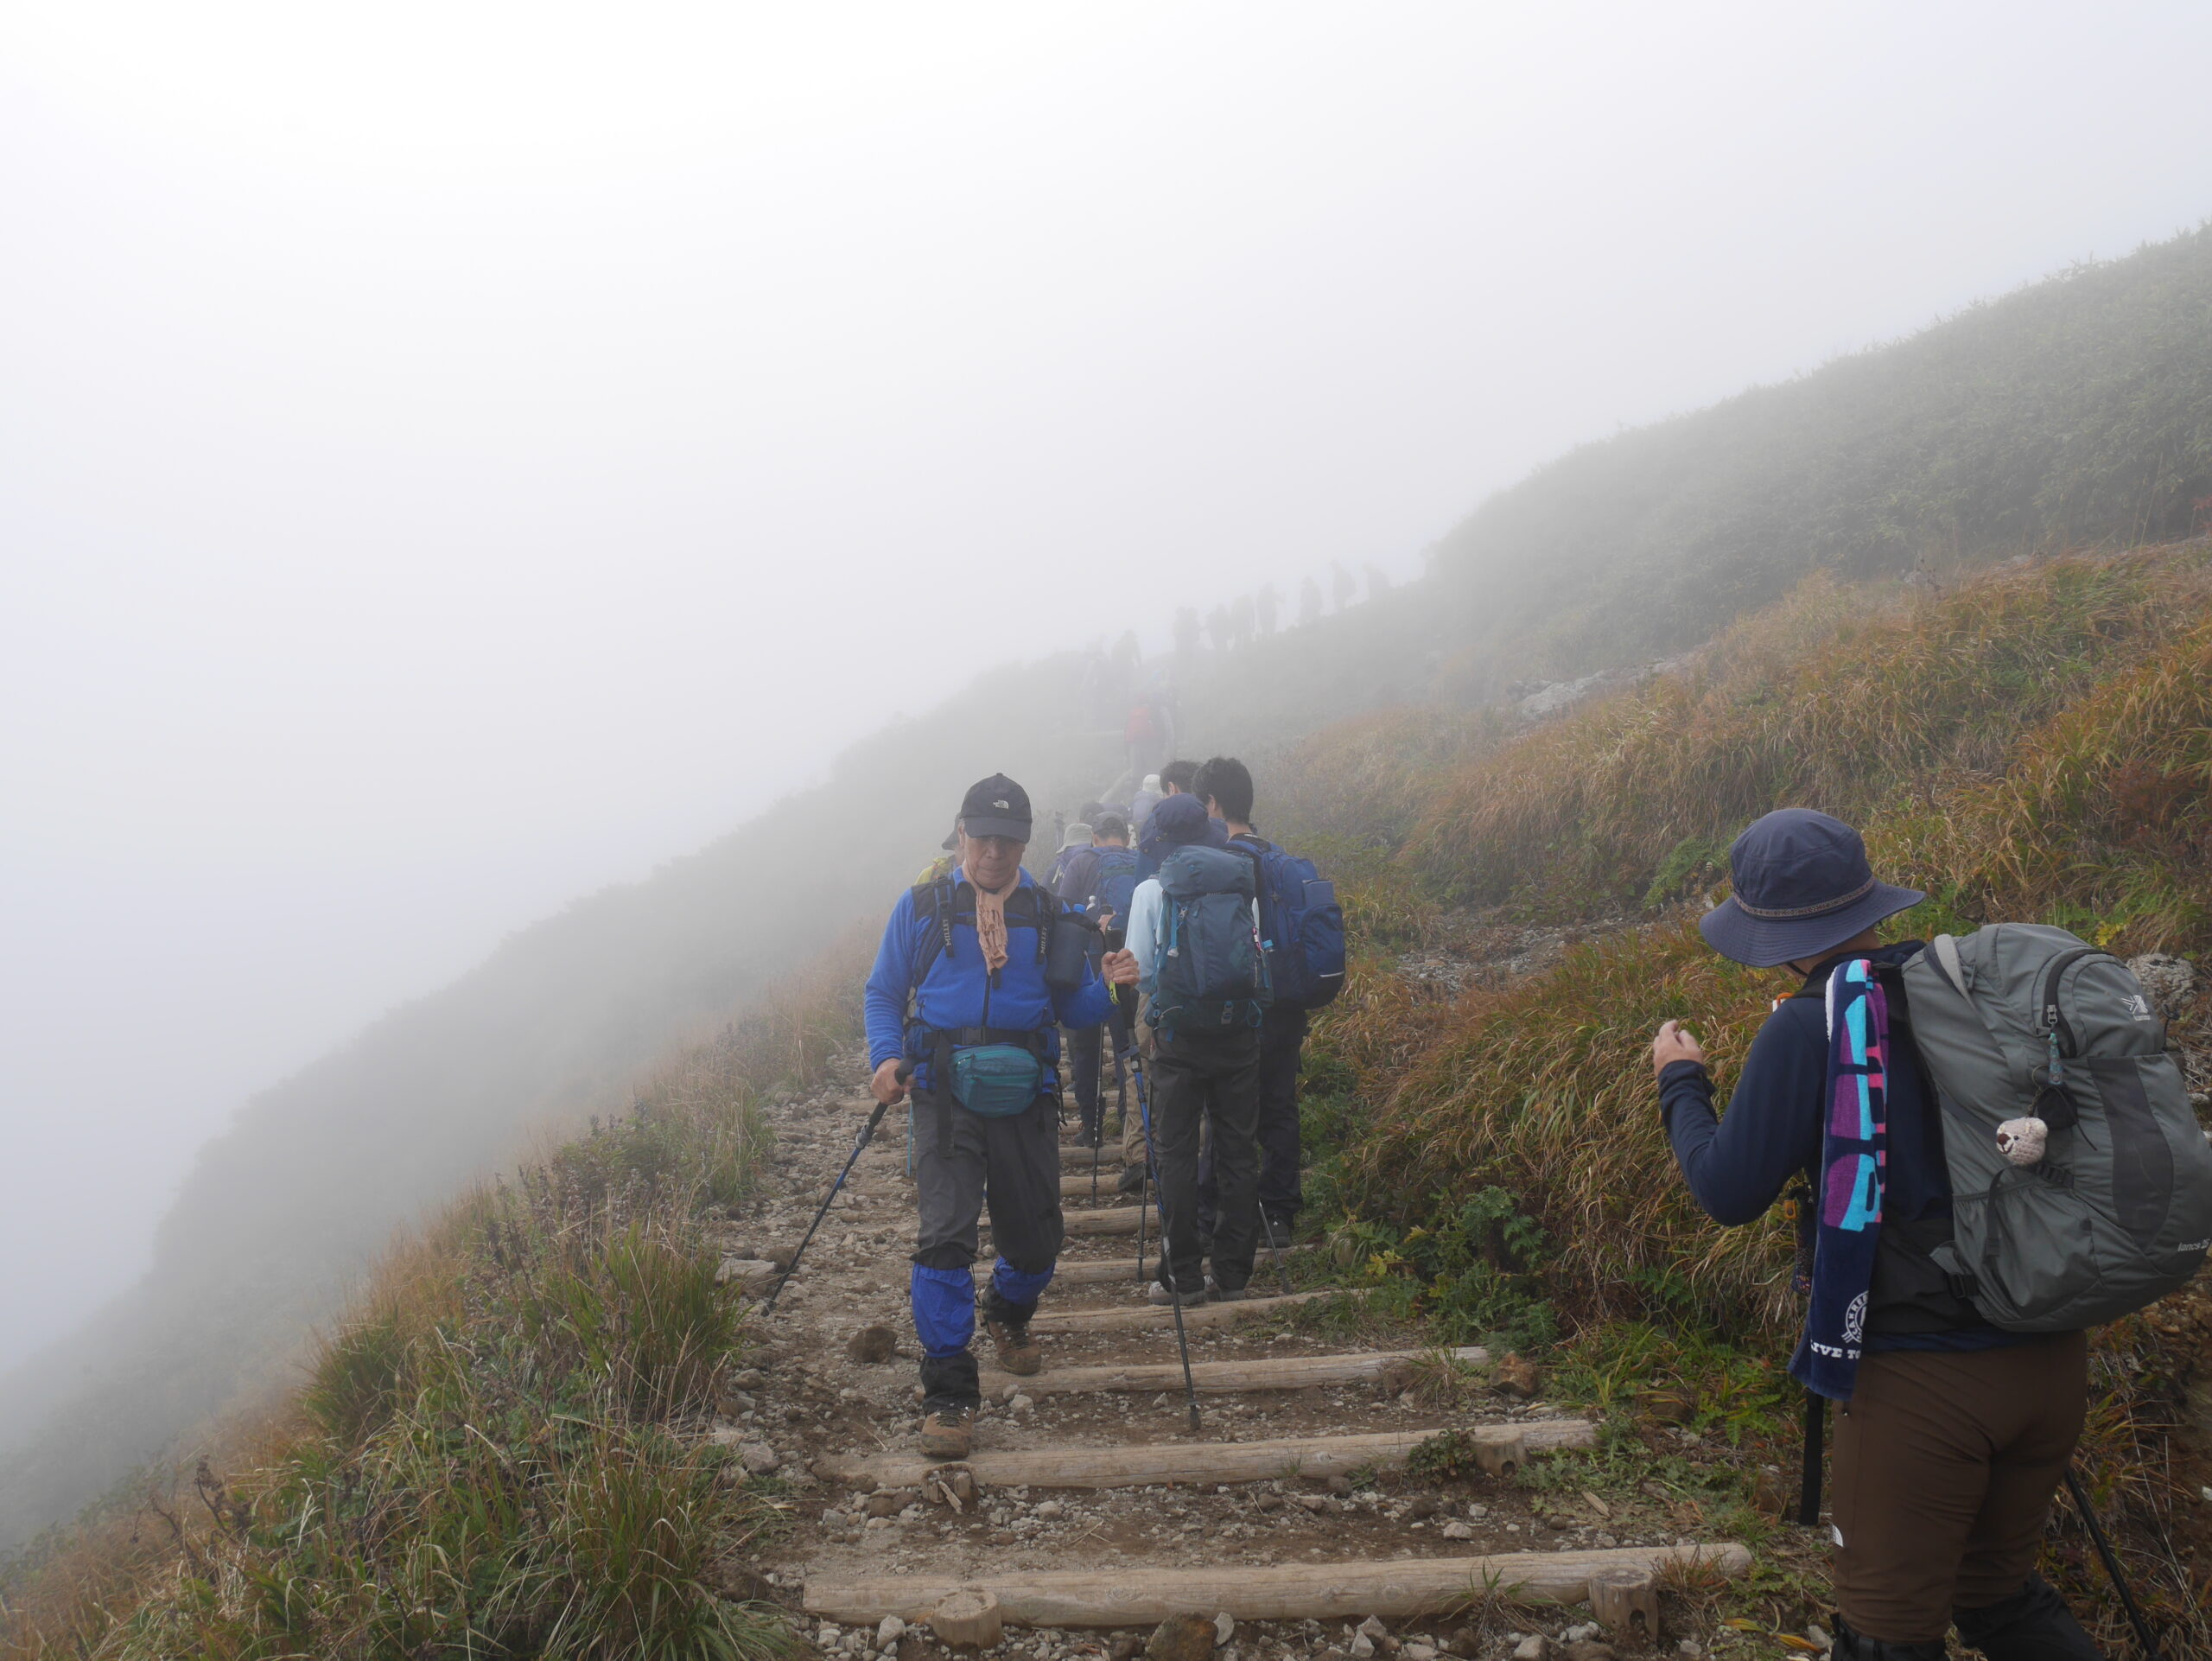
(454, 458)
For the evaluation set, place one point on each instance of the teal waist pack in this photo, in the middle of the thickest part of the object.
(996, 1080)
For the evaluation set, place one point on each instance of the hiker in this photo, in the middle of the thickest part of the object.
(1194, 932)
(1953, 1432)
(1148, 796)
(971, 985)
(1303, 931)
(1099, 882)
(1075, 843)
(1145, 735)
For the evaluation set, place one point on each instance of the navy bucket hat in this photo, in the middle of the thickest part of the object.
(1803, 888)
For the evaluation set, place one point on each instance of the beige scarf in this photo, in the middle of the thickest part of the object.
(990, 921)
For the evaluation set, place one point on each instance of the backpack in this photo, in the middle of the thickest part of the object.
(1113, 885)
(1210, 972)
(2016, 1021)
(1303, 928)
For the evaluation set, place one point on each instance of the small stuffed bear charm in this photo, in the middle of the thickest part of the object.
(2021, 1141)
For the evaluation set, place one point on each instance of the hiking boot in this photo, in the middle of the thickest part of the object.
(1278, 1227)
(1019, 1353)
(1163, 1294)
(1221, 1294)
(949, 1433)
(1089, 1139)
(2034, 1623)
(1132, 1179)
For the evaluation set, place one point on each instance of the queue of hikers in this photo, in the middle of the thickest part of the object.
(1983, 1141)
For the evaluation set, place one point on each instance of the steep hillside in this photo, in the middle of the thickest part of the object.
(2079, 410)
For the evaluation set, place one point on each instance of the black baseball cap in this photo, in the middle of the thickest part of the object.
(996, 806)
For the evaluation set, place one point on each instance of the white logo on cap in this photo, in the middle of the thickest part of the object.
(1008, 806)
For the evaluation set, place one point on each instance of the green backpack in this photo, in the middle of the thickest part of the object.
(2019, 1021)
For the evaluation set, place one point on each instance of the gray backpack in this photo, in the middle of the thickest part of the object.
(2016, 1021)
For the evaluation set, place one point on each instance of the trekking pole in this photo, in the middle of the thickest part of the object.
(2111, 1566)
(1275, 1251)
(1175, 1293)
(860, 1144)
(1144, 1196)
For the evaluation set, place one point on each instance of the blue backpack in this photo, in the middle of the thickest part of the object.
(1113, 886)
(1211, 972)
(1302, 925)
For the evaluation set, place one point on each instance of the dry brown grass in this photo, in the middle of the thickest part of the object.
(1848, 700)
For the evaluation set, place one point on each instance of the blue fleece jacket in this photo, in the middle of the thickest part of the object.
(1737, 1166)
(956, 990)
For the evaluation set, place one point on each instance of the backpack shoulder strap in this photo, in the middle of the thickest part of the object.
(935, 903)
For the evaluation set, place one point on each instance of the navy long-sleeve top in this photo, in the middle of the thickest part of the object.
(955, 991)
(1736, 1165)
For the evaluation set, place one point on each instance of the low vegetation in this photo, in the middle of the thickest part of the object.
(499, 1452)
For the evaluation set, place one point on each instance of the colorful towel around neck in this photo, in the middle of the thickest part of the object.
(1853, 1157)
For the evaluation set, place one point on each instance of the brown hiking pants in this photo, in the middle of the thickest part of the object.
(1945, 1463)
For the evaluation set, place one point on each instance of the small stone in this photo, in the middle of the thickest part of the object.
(1818, 1637)
(1373, 1627)
(1050, 1512)
(758, 1457)
(1125, 1646)
(1339, 1484)
(1589, 1650)
(1003, 1536)
(1419, 1653)
(872, 1344)
(1515, 1377)
(1458, 1531)
(748, 1378)
(1581, 1630)
(889, 1632)
(1181, 1638)
(1690, 1648)
(888, 1503)
(1362, 1646)
(1535, 1647)
(827, 1636)
(1604, 1541)
(1022, 1406)
(1224, 1628)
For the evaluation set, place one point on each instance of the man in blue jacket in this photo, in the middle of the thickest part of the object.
(1955, 1433)
(969, 989)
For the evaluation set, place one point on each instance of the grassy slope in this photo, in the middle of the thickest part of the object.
(2037, 744)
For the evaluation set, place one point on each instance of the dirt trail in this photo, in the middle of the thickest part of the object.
(811, 1400)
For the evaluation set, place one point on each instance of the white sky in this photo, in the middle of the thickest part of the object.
(453, 456)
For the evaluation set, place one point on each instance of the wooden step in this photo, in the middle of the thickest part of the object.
(1076, 1185)
(1141, 1595)
(1139, 1464)
(1100, 1271)
(1109, 1157)
(1105, 1220)
(1221, 1377)
(1144, 1316)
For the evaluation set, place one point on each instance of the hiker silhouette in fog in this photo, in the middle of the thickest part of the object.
(1309, 603)
(1145, 736)
(974, 977)
(1186, 631)
(1264, 608)
(1341, 586)
(1953, 1433)
(1240, 621)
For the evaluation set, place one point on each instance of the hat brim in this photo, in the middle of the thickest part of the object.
(1012, 830)
(1768, 942)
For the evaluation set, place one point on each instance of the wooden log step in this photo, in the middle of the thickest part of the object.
(1076, 1185)
(1136, 1465)
(1145, 1315)
(1141, 1595)
(1109, 1158)
(1105, 1220)
(1100, 1271)
(1220, 1377)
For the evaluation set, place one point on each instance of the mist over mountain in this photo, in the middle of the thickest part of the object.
(2074, 412)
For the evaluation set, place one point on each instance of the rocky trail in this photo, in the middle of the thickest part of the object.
(1092, 1520)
